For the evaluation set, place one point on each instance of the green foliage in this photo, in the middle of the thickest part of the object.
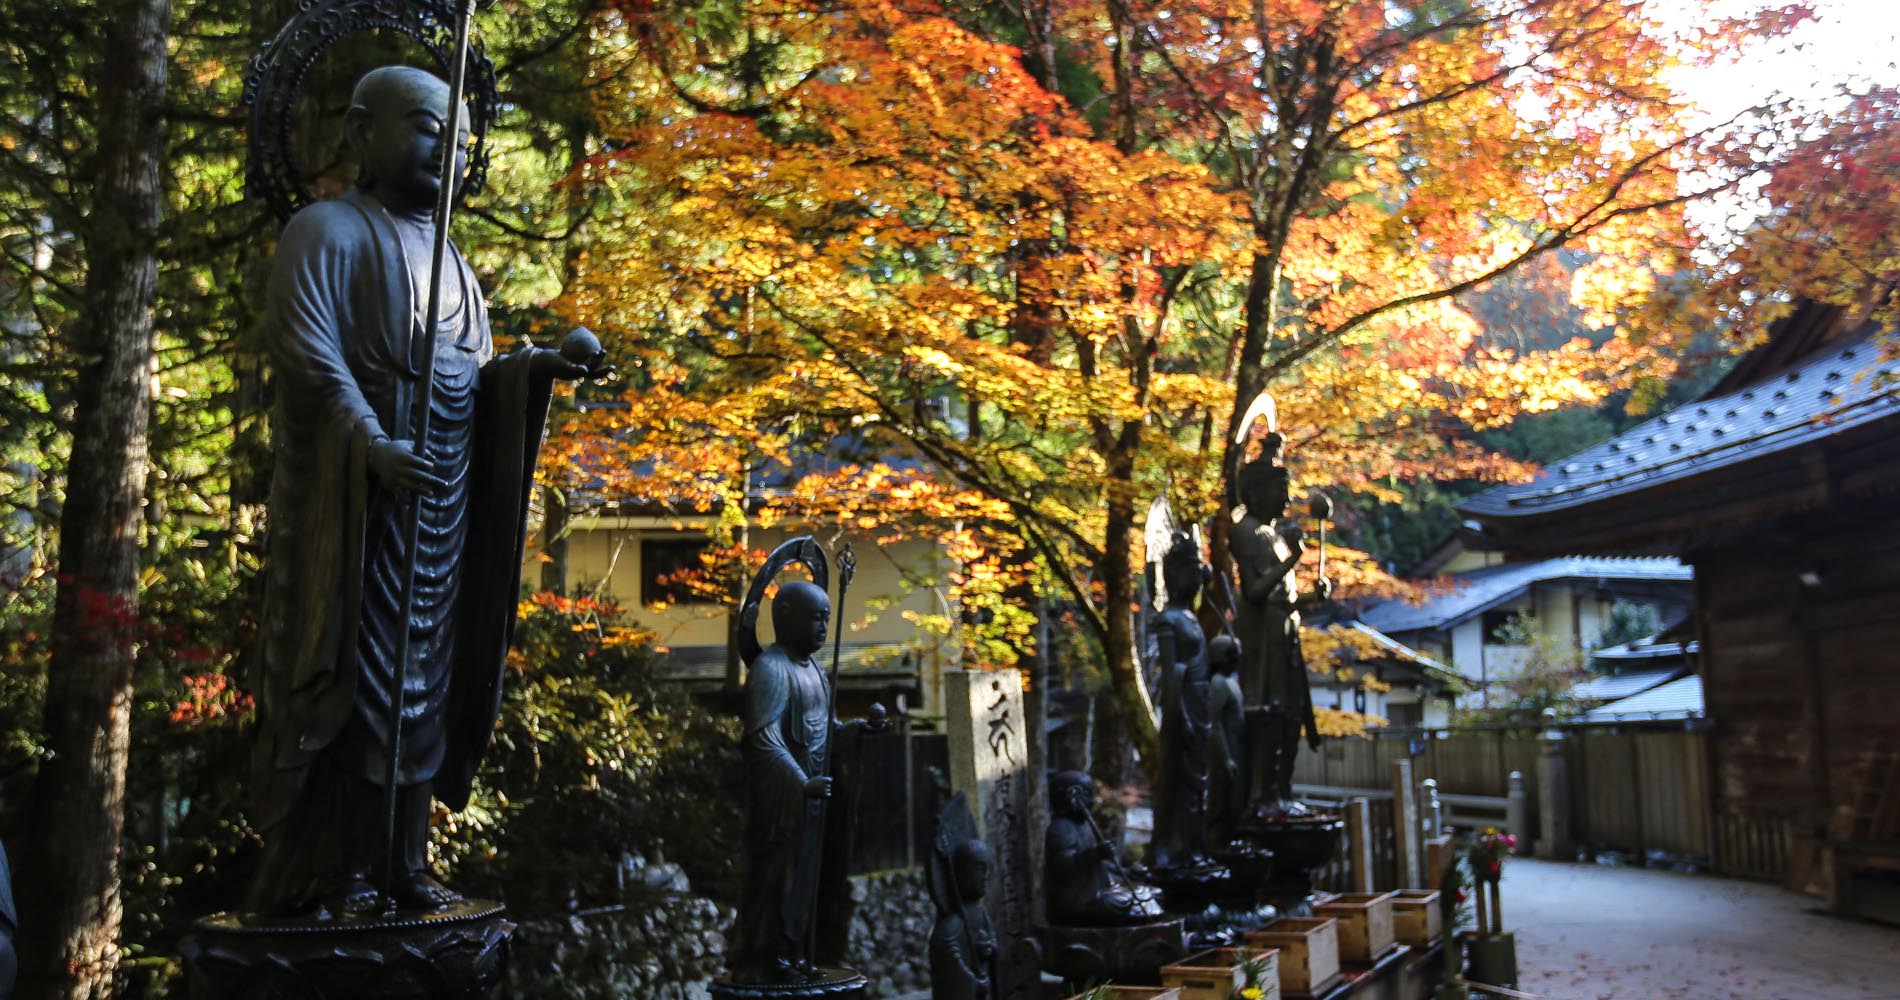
(595, 758)
(1629, 622)
(1550, 666)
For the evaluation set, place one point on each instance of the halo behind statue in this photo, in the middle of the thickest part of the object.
(803, 550)
(276, 79)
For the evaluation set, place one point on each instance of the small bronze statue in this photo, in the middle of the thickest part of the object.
(794, 857)
(344, 324)
(1273, 674)
(1227, 742)
(1086, 883)
(963, 940)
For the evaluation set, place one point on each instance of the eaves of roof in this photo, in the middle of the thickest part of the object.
(1480, 590)
(1778, 441)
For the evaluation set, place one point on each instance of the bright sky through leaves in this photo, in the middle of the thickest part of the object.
(1849, 44)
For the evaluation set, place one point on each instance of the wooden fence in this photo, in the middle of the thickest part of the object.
(1641, 792)
(897, 809)
(1638, 791)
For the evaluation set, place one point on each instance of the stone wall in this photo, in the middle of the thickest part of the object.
(890, 930)
(670, 946)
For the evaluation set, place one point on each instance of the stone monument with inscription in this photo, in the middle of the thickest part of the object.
(989, 763)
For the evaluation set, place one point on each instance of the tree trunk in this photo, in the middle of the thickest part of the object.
(1134, 709)
(71, 906)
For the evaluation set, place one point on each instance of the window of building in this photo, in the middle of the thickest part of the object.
(664, 563)
(1500, 628)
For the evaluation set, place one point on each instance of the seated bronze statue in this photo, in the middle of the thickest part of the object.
(1086, 883)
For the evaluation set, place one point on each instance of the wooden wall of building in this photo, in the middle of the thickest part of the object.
(1801, 676)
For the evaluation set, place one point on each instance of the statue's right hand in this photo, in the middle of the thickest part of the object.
(398, 467)
(818, 788)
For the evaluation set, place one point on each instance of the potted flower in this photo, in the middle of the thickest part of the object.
(1493, 950)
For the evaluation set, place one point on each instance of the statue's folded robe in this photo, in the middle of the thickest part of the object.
(338, 327)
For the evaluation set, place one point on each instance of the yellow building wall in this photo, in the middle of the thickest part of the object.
(604, 554)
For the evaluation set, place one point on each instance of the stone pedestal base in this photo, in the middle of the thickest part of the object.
(832, 984)
(1090, 955)
(457, 954)
(1301, 845)
(1244, 905)
(1191, 889)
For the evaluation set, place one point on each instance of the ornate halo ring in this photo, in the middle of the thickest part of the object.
(276, 78)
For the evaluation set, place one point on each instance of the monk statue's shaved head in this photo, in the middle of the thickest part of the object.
(401, 86)
(397, 119)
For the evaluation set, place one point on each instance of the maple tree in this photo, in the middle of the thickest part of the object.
(1830, 231)
(1057, 273)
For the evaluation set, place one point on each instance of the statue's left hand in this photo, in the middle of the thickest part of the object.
(878, 719)
(545, 363)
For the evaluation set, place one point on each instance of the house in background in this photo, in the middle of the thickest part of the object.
(1421, 688)
(633, 552)
(1465, 625)
(1649, 680)
(1781, 486)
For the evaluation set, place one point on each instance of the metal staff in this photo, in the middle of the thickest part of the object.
(1321, 507)
(847, 568)
(419, 419)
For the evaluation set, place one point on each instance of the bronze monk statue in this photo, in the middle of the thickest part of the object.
(1087, 885)
(793, 904)
(963, 940)
(343, 325)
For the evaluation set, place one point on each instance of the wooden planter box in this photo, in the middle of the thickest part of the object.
(1415, 917)
(1365, 924)
(1219, 973)
(1309, 952)
(1132, 993)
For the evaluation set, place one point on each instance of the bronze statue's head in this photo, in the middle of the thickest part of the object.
(398, 120)
(970, 861)
(1071, 794)
(1223, 654)
(1182, 571)
(1265, 489)
(801, 617)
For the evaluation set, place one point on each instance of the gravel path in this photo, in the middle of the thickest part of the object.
(1590, 932)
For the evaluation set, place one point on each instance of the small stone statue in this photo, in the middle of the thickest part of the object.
(1086, 884)
(1273, 673)
(794, 852)
(963, 941)
(343, 324)
(1227, 742)
(1180, 654)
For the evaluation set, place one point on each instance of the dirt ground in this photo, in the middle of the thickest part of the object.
(1590, 932)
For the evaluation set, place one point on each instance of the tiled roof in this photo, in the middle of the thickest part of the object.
(1483, 589)
(1610, 687)
(1678, 699)
(1636, 653)
(1400, 650)
(1835, 388)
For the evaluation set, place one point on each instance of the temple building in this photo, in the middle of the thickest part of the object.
(1779, 487)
